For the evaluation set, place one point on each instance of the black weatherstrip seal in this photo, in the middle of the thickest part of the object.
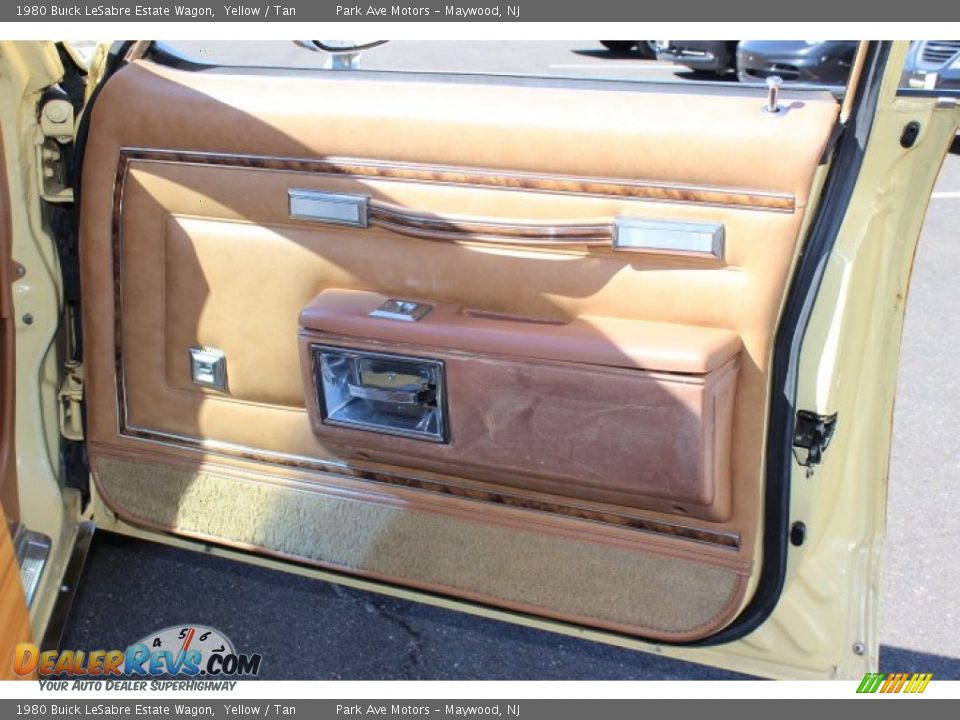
(804, 288)
(75, 460)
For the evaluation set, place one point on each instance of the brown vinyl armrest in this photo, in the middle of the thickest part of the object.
(611, 342)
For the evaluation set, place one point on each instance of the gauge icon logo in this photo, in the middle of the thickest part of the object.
(184, 638)
(188, 649)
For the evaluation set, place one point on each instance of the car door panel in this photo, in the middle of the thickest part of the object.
(605, 406)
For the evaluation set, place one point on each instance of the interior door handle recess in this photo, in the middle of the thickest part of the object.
(377, 392)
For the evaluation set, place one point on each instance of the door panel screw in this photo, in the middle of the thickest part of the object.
(859, 648)
(28, 319)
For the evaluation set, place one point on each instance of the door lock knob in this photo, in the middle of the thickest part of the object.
(773, 94)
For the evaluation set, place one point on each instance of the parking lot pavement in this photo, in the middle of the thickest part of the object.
(311, 630)
(921, 601)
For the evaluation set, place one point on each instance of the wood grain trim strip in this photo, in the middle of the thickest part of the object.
(448, 488)
(486, 496)
(477, 177)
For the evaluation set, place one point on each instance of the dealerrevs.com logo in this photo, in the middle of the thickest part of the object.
(184, 651)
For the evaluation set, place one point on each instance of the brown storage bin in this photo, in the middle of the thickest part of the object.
(586, 431)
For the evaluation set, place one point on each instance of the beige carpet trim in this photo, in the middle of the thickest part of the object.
(574, 580)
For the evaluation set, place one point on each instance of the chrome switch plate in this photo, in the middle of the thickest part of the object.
(406, 310)
(208, 367)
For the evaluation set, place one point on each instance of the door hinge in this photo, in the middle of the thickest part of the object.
(71, 401)
(812, 434)
(54, 141)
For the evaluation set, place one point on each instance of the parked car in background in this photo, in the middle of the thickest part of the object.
(644, 48)
(933, 64)
(812, 62)
(716, 56)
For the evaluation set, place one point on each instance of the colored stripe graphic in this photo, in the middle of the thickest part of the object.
(919, 682)
(871, 682)
(895, 683)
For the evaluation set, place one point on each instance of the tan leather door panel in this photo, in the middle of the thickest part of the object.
(497, 205)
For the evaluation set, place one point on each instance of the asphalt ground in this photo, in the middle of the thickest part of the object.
(311, 630)
(921, 602)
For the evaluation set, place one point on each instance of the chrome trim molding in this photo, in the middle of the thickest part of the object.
(32, 550)
(668, 236)
(328, 207)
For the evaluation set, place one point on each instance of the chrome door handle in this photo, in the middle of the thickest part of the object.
(403, 397)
